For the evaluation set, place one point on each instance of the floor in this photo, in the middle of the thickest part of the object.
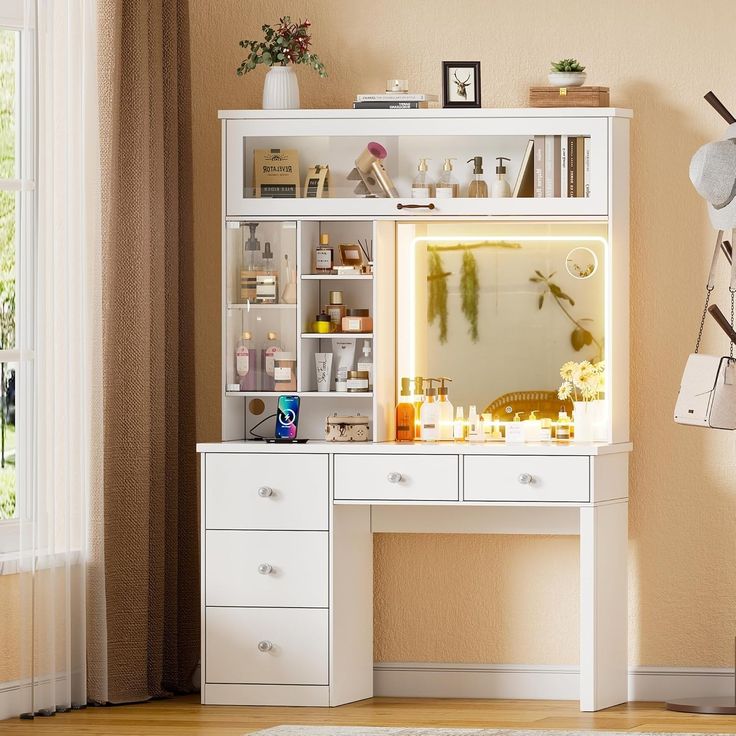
(186, 717)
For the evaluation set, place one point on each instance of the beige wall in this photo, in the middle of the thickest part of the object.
(659, 57)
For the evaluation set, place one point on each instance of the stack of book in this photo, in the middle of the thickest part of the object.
(393, 101)
(561, 166)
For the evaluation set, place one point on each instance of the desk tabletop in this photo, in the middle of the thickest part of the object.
(419, 448)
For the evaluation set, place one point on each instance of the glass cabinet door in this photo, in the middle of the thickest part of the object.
(423, 166)
(261, 293)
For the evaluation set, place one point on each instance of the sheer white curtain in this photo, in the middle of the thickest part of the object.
(58, 383)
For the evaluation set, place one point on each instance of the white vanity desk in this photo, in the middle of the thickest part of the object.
(287, 606)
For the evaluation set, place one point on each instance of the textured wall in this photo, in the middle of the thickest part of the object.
(658, 57)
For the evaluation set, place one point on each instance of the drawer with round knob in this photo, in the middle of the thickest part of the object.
(271, 568)
(396, 477)
(530, 478)
(267, 646)
(266, 491)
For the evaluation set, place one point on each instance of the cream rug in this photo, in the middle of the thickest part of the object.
(376, 731)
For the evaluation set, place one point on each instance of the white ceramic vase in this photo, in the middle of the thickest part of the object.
(281, 89)
(600, 431)
(566, 79)
(584, 420)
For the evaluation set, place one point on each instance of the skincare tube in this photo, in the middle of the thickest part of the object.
(344, 361)
(323, 366)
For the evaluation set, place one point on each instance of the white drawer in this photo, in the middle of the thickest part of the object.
(527, 478)
(297, 637)
(266, 569)
(266, 491)
(396, 477)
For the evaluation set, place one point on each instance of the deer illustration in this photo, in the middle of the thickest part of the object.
(462, 87)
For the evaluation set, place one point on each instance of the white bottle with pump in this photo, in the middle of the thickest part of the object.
(422, 187)
(445, 408)
(500, 187)
(447, 186)
(429, 414)
(366, 362)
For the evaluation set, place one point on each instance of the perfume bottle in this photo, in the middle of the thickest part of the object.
(323, 255)
(251, 265)
(267, 279)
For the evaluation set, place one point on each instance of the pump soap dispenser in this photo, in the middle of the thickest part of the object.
(477, 187)
(500, 186)
(429, 414)
(445, 408)
(405, 415)
(422, 187)
(447, 186)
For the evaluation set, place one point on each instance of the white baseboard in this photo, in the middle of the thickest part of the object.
(538, 682)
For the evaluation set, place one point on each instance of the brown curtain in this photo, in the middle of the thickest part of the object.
(143, 588)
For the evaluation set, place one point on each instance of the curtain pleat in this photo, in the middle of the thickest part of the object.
(143, 618)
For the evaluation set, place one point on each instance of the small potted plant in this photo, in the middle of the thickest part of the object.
(282, 47)
(566, 73)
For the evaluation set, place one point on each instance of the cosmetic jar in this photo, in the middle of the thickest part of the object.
(357, 382)
(357, 320)
(323, 324)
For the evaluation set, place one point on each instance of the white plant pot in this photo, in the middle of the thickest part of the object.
(584, 420)
(566, 79)
(281, 89)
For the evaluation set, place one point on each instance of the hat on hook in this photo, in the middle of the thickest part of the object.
(713, 174)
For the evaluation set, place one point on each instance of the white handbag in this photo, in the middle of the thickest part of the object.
(707, 396)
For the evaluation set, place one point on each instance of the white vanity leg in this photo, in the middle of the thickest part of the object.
(603, 606)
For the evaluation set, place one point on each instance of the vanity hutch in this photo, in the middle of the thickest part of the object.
(529, 282)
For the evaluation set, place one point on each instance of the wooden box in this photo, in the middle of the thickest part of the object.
(568, 97)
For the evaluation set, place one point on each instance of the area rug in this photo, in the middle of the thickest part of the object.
(383, 731)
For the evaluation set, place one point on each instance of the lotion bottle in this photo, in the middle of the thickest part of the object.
(422, 187)
(447, 186)
(245, 363)
(500, 186)
(418, 401)
(460, 429)
(477, 187)
(445, 408)
(429, 414)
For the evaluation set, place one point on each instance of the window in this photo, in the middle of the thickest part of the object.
(17, 252)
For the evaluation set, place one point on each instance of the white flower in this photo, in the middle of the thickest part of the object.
(568, 370)
(564, 391)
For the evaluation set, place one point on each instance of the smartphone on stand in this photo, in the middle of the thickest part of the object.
(287, 417)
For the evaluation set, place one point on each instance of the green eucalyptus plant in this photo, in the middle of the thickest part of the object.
(567, 65)
(287, 43)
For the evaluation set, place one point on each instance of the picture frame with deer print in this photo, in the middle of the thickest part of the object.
(460, 84)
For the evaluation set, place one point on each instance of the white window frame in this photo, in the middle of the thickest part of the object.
(14, 15)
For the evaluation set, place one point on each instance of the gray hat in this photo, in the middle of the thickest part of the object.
(713, 174)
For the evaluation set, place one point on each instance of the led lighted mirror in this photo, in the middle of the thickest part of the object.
(497, 308)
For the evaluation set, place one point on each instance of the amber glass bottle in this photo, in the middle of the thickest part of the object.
(405, 415)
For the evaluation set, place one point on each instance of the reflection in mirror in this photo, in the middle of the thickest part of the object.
(495, 308)
(581, 262)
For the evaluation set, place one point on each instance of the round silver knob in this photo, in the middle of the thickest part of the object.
(526, 478)
(394, 478)
(265, 569)
(265, 491)
(265, 646)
